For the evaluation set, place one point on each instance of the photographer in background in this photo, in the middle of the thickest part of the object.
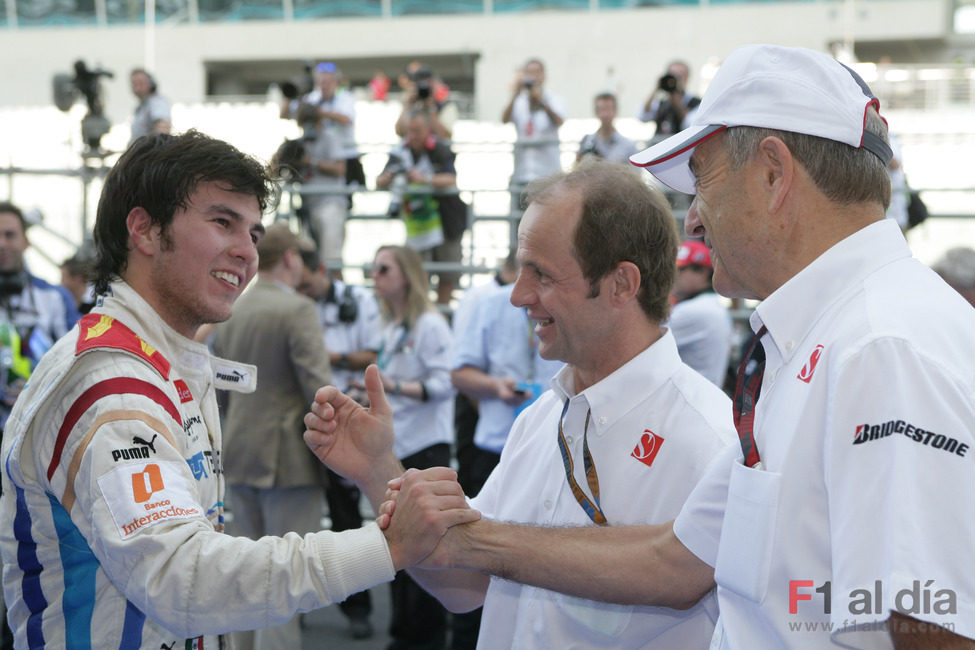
(33, 313)
(670, 104)
(537, 115)
(425, 91)
(335, 108)
(421, 165)
(319, 165)
(606, 143)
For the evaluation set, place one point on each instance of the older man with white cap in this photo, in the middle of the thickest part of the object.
(845, 517)
(866, 396)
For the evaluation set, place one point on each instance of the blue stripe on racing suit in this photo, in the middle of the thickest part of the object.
(132, 628)
(80, 566)
(31, 582)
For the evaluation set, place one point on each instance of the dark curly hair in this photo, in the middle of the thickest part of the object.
(160, 173)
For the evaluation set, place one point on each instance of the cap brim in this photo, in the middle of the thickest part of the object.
(667, 160)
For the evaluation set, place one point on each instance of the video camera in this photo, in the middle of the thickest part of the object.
(299, 86)
(87, 83)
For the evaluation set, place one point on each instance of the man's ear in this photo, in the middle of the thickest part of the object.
(778, 171)
(624, 282)
(143, 233)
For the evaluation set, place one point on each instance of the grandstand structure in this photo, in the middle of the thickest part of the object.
(201, 50)
(219, 61)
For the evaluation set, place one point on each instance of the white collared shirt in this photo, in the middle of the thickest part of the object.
(867, 352)
(654, 426)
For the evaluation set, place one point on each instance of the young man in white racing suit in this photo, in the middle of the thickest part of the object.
(112, 502)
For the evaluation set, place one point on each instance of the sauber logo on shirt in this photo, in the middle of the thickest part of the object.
(806, 374)
(141, 496)
(646, 450)
(184, 391)
(870, 432)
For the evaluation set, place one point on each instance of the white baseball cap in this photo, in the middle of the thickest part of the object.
(768, 86)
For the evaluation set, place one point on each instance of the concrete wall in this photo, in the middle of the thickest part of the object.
(578, 47)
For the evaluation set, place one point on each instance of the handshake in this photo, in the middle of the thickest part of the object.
(415, 508)
(421, 507)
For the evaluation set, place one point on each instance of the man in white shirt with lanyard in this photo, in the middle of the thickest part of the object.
(844, 518)
(634, 427)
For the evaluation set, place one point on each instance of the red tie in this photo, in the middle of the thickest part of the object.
(747, 388)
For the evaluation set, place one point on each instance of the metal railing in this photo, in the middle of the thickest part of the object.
(478, 255)
(469, 268)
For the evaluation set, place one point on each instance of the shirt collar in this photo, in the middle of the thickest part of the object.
(792, 310)
(124, 303)
(614, 396)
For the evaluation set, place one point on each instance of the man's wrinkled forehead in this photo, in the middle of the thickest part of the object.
(703, 154)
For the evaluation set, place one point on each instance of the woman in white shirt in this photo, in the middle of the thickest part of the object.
(414, 364)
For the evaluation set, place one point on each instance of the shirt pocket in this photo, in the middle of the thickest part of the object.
(747, 532)
(603, 620)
